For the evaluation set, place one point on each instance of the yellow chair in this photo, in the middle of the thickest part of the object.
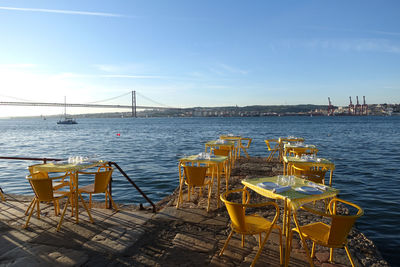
(245, 147)
(298, 152)
(44, 192)
(273, 147)
(100, 185)
(56, 185)
(1, 195)
(195, 176)
(313, 174)
(333, 235)
(250, 224)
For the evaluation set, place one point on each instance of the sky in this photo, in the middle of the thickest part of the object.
(198, 53)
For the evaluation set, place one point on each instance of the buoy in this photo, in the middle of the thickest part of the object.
(118, 134)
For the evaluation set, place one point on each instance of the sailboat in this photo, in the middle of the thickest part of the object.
(66, 120)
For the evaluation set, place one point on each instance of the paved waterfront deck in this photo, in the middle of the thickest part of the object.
(187, 236)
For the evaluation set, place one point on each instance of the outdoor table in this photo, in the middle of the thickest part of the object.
(293, 200)
(210, 145)
(299, 148)
(73, 169)
(239, 145)
(301, 162)
(283, 140)
(214, 162)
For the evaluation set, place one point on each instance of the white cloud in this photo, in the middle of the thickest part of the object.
(62, 11)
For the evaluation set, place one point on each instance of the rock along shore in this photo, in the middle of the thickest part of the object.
(188, 236)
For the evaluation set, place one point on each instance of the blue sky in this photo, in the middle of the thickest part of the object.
(198, 53)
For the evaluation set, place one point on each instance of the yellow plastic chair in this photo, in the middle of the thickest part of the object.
(333, 235)
(250, 224)
(300, 152)
(1, 195)
(44, 192)
(195, 176)
(273, 147)
(56, 185)
(313, 174)
(245, 147)
(100, 185)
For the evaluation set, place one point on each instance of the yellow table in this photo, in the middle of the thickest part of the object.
(283, 140)
(299, 149)
(293, 200)
(319, 162)
(73, 169)
(214, 162)
(239, 145)
(210, 145)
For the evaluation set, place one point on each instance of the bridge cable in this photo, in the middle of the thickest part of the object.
(151, 100)
(108, 99)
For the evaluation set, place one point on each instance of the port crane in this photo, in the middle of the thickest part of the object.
(331, 108)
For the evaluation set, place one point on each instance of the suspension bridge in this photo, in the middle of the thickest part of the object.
(133, 107)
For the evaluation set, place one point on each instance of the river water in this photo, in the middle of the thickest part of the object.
(365, 151)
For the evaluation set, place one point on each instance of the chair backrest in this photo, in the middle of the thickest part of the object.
(314, 174)
(195, 176)
(221, 152)
(41, 186)
(341, 224)
(237, 211)
(37, 174)
(248, 142)
(101, 180)
(269, 142)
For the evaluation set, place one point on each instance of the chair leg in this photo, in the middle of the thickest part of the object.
(259, 240)
(1, 195)
(349, 255)
(226, 243)
(209, 197)
(55, 207)
(90, 200)
(86, 208)
(112, 201)
(261, 247)
(331, 255)
(30, 214)
(242, 241)
(29, 207)
(313, 250)
(38, 208)
(62, 215)
(280, 244)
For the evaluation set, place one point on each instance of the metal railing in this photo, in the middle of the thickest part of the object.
(45, 160)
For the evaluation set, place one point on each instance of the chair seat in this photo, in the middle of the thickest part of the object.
(255, 224)
(317, 232)
(87, 188)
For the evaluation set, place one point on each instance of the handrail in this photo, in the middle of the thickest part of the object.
(23, 158)
(133, 183)
(110, 163)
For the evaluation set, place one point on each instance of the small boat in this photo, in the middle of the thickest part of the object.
(66, 119)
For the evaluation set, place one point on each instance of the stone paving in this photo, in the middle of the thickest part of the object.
(188, 236)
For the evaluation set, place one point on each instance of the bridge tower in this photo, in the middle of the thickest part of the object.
(134, 104)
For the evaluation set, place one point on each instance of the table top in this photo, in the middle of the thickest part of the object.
(287, 145)
(291, 139)
(295, 198)
(195, 158)
(231, 137)
(65, 167)
(317, 162)
(217, 143)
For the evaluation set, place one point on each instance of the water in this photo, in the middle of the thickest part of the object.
(364, 149)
